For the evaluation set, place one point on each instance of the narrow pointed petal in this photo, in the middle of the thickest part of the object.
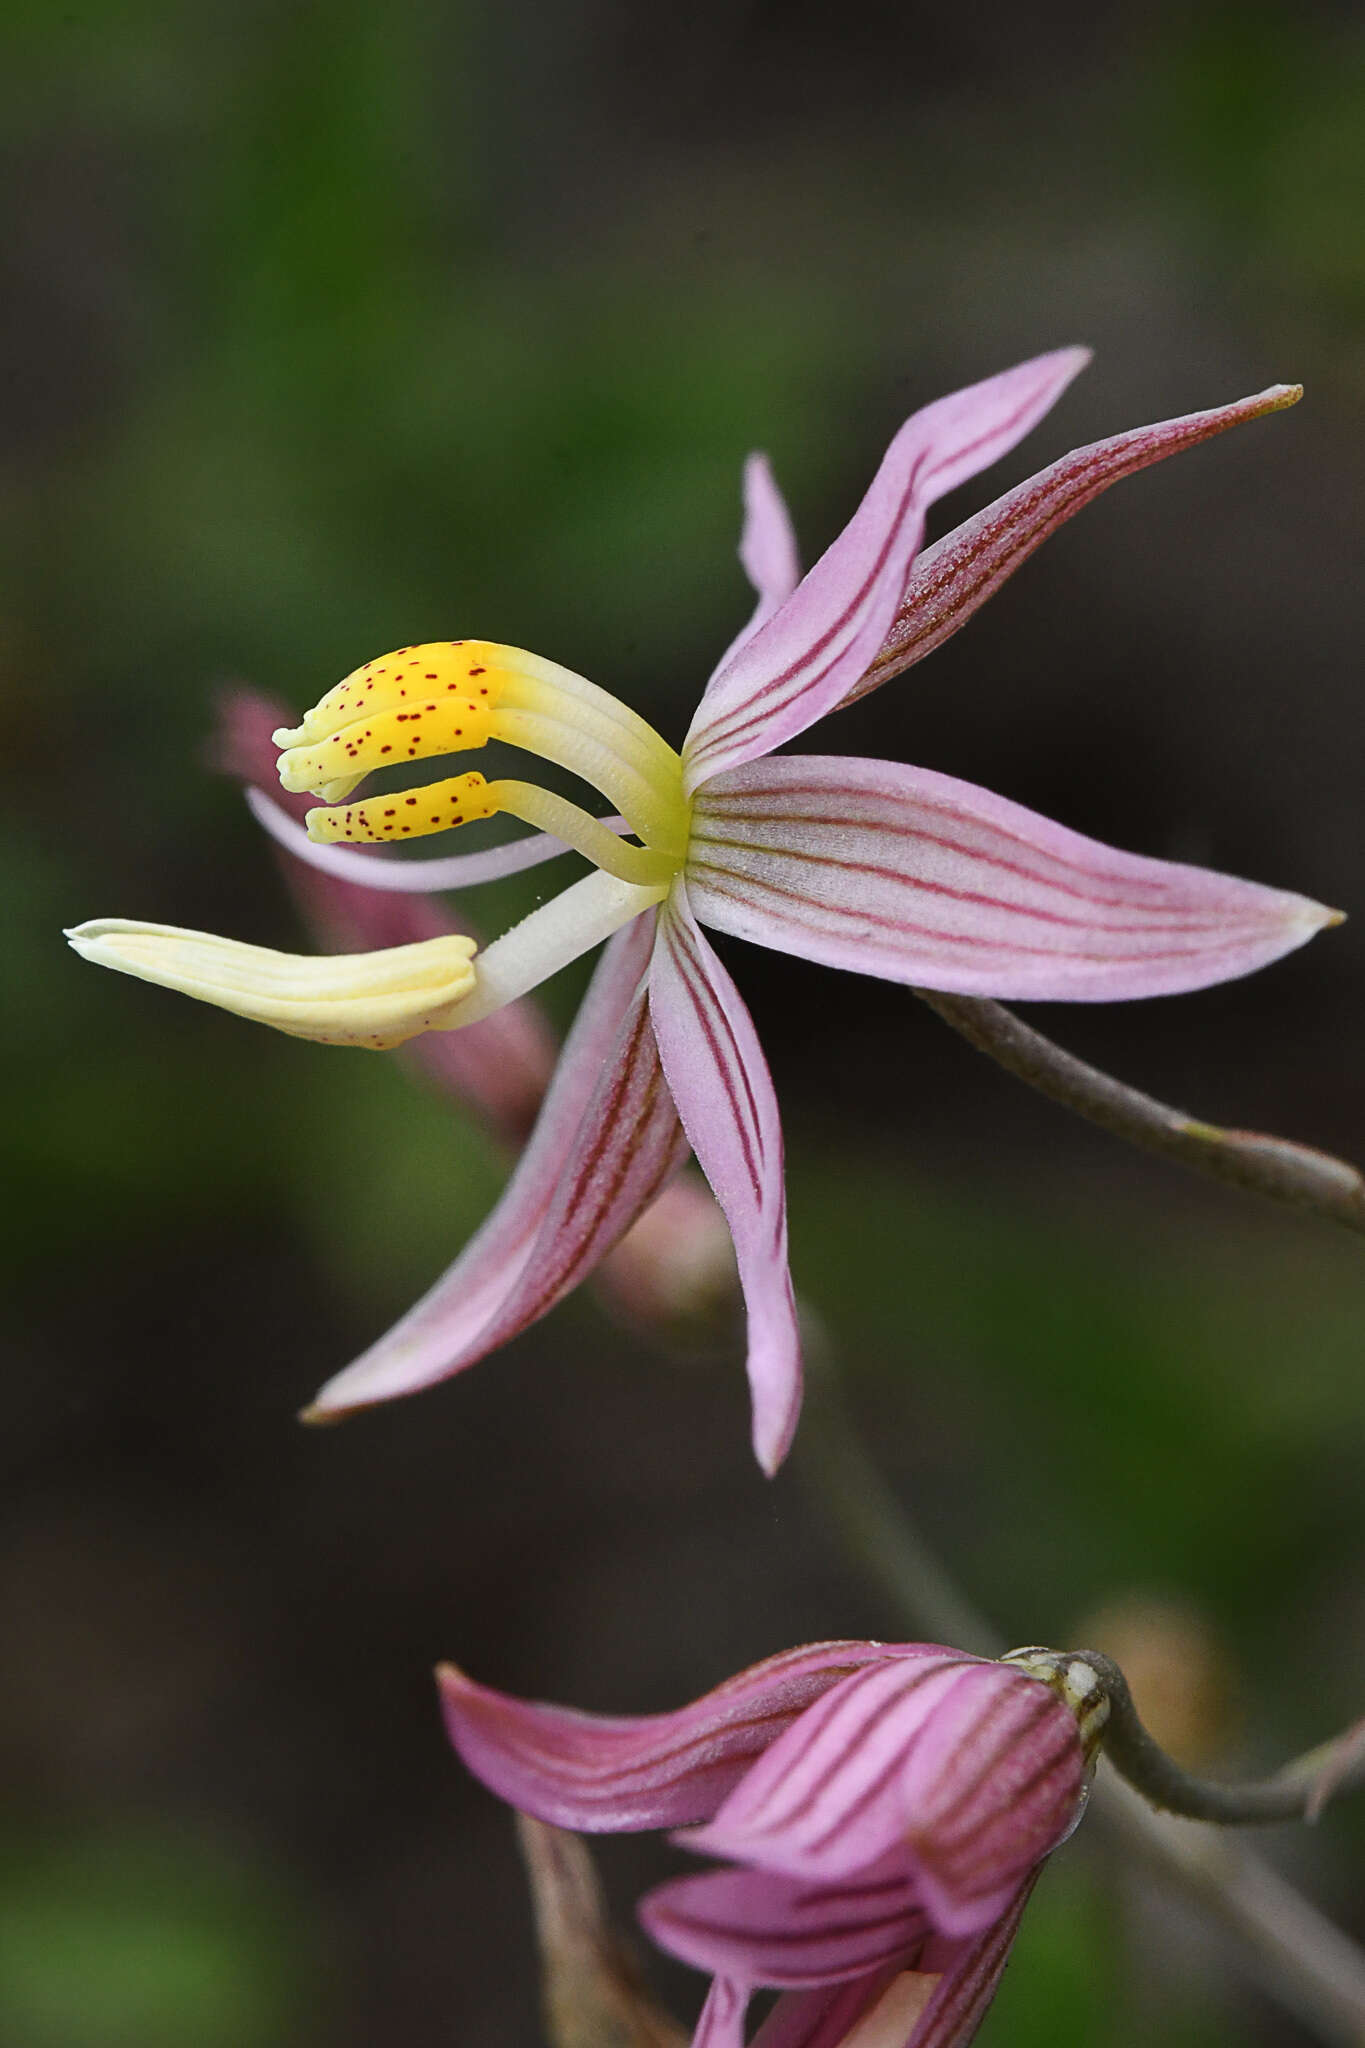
(767, 550)
(901, 872)
(603, 1773)
(764, 1928)
(606, 1141)
(799, 664)
(972, 1768)
(724, 1092)
(409, 877)
(953, 578)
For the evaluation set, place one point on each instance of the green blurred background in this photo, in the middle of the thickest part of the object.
(333, 327)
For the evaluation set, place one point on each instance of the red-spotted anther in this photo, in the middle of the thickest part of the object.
(872, 866)
(881, 1812)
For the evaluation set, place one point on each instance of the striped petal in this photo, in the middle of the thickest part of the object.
(953, 579)
(939, 2004)
(813, 648)
(760, 1927)
(600, 1773)
(767, 550)
(724, 1093)
(901, 872)
(606, 1141)
(972, 1768)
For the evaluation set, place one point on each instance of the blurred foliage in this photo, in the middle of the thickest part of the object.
(337, 327)
(124, 1941)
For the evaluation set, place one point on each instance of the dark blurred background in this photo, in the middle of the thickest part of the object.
(331, 327)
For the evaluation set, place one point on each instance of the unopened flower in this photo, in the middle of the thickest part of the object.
(882, 1810)
(869, 865)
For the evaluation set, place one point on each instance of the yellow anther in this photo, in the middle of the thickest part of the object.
(440, 725)
(451, 696)
(393, 682)
(406, 813)
(367, 999)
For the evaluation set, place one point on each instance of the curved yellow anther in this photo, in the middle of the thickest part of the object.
(395, 682)
(406, 813)
(449, 696)
(368, 999)
(442, 725)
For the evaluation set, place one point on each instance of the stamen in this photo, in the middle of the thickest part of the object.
(455, 695)
(588, 835)
(413, 814)
(394, 682)
(442, 725)
(406, 814)
(368, 999)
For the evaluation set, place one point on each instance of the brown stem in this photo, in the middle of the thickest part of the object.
(1277, 1167)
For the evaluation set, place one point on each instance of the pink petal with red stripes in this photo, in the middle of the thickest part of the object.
(799, 664)
(973, 1769)
(606, 1141)
(938, 2003)
(953, 578)
(724, 1093)
(898, 871)
(603, 1773)
(968, 1984)
(767, 550)
(760, 1927)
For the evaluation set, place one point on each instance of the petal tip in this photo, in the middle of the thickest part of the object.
(317, 1415)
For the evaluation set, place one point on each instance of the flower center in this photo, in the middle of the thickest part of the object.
(453, 696)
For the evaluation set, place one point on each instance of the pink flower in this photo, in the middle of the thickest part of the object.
(868, 865)
(882, 1808)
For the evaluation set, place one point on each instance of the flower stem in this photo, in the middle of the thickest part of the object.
(1292, 1795)
(1277, 1167)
